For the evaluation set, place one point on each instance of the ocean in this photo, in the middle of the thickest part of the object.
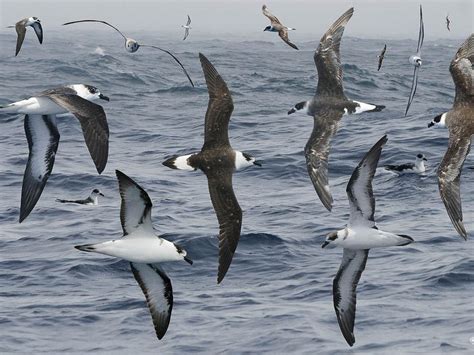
(277, 295)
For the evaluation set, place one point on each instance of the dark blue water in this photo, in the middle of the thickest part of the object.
(277, 294)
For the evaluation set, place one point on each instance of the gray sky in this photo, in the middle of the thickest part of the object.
(243, 18)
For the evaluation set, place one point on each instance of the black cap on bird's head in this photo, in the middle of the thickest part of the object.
(421, 156)
(268, 28)
(438, 121)
(252, 159)
(97, 192)
(329, 238)
(299, 106)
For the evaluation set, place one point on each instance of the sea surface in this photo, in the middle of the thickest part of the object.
(277, 295)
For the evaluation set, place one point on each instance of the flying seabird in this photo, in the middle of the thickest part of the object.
(357, 238)
(418, 167)
(186, 28)
(460, 123)
(448, 22)
(327, 107)
(416, 61)
(20, 27)
(43, 136)
(277, 26)
(218, 161)
(381, 56)
(132, 46)
(93, 199)
(143, 249)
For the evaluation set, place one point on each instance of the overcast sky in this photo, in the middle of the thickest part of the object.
(226, 18)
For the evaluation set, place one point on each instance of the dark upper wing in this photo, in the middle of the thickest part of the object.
(283, 33)
(273, 19)
(421, 34)
(189, 21)
(93, 122)
(228, 214)
(359, 189)
(344, 290)
(158, 292)
(186, 33)
(327, 58)
(43, 139)
(135, 209)
(99, 21)
(38, 30)
(20, 31)
(381, 57)
(219, 108)
(174, 57)
(316, 152)
(414, 84)
(463, 74)
(449, 173)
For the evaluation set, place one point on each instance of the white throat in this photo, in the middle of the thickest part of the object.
(420, 165)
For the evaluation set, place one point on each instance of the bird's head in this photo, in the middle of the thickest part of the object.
(182, 254)
(96, 192)
(89, 92)
(298, 107)
(131, 45)
(244, 160)
(421, 157)
(32, 20)
(268, 28)
(438, 122)
(332, 239)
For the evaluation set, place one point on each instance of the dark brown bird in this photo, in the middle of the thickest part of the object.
(218, 160)
(448, 22)
(460, 123)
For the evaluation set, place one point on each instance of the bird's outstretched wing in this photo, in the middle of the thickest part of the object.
(43, 140)
(316, 152)
(421, 34)
(283, 33)
(156, 287)
(99, 21)
(20, 31)
(414, 84)
(93, 123)
(449, 173)
(273, 19)
(359, 189)
(463, 74)
(219, 108)
(381, 57)
(344, 290)
(229, 215)
(327, 58)
(174, 57)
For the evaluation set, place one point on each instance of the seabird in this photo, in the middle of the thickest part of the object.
(381, 57)
(143, 249)
(277, 26)
(416, 61)
(43, 136)
(460, 123)
(327, 107)
(448, 22)
(218, 161)
(360, 235)
(132, 46)
(186, 28)
(93, 199)
(20, 27)
(418, 167)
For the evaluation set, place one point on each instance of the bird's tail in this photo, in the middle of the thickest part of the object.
(86, 247)
(406, 239)
(290, 29)
(377, 108)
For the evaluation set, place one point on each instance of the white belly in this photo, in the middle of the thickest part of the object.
(140, 250)
(35, 106)
(367, 238)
